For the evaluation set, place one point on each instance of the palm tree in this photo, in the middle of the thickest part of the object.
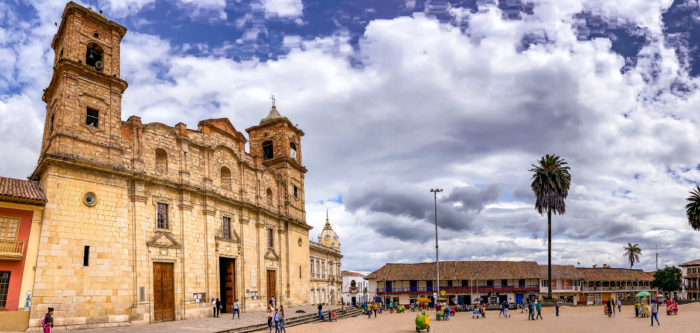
(632, 253)
(550, 182)
(692, 209)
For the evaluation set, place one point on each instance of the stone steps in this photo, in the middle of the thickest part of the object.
(300, 320)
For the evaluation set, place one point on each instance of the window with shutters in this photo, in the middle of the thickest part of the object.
(163, 216)
(226, 227)
(8, 228)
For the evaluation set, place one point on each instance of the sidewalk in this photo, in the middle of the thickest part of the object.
(207, 325)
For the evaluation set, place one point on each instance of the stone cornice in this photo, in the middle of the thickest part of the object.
(69, 66)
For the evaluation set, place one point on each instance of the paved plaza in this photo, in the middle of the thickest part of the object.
(206, 325)
(579, 319)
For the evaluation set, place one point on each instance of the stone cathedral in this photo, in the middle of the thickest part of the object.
(146, 222)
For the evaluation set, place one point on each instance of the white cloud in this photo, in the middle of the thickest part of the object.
(283, 8)
(434, 107)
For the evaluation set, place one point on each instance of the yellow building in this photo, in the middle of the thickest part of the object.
(326, 280)
(148, 222)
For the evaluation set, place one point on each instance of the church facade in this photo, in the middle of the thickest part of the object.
(146, 222)
(324, 261)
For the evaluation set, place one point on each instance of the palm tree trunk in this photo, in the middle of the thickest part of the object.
(549, 253)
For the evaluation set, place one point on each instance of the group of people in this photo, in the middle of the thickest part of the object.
(531, 308)
(217, 306)
(370, 308)
(275, 316)
(504, 309)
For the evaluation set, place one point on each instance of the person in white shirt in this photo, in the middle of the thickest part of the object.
(213, 305)
(619, 306)
(235, 310)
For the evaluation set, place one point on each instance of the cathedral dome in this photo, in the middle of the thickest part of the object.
(328, 237)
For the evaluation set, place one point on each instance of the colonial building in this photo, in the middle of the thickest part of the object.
(566, 283)
(355, 288)
(324, 261)
(147, 222)
(603, 283)
(21, 210)
(467, 281)
(691, 279)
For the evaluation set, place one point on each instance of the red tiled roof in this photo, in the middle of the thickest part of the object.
(348, 273)
(566, 272)
(22, 189)
(615, 274)
(691, 263)
(459, 270)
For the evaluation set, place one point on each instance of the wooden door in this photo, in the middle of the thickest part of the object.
(271, 285)
(163, 292)
(230, 284)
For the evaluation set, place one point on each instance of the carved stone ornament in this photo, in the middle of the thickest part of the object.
(164, 240)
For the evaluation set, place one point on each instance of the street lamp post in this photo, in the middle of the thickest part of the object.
(437, 258)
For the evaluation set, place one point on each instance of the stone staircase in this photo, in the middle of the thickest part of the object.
(300, 320)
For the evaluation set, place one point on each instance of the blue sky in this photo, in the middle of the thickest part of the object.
(400, 96)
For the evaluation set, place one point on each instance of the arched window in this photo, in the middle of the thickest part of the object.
(293, 150)
(269, 196)
(268, 151)
(93, 56)
(225, 178)
(161, 160)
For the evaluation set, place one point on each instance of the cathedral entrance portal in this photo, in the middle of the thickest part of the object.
(227, 283)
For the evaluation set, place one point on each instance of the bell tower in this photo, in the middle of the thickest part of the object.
(278, 143)
(83, 100)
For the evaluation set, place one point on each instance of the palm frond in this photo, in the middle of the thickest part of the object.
(550, 183)
(692, 209)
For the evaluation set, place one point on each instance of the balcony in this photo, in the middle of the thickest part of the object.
(623, 288)
(461, 290)
(11, 250)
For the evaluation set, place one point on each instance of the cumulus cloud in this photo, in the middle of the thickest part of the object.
(433, 105)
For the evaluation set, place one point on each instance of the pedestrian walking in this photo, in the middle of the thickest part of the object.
(368, 308)
(613, 308)
(654, 314)
(619, 306)
(636, 309)
(375, 307)
(270, 314)
(539, 310)
(320, 312)
(218, 308)
(391, 307)
(506, 306)
(276, 320)
(235, 310)
(500, 313)
(556, 305)
(530, 311)
(213, 306)
(282, 319)
(47, 321)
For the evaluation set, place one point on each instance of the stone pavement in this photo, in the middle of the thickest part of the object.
(207, 325)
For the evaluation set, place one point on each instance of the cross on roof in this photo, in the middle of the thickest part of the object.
(273, 100)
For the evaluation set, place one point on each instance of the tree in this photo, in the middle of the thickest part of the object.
(632, 252)
(550, 183)
(668, 279)
(692, 209)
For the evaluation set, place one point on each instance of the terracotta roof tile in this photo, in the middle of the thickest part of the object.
(22, 189)
(565, 272)
(615, 274)
(348, 273)
(691, 263)
(459, 270)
